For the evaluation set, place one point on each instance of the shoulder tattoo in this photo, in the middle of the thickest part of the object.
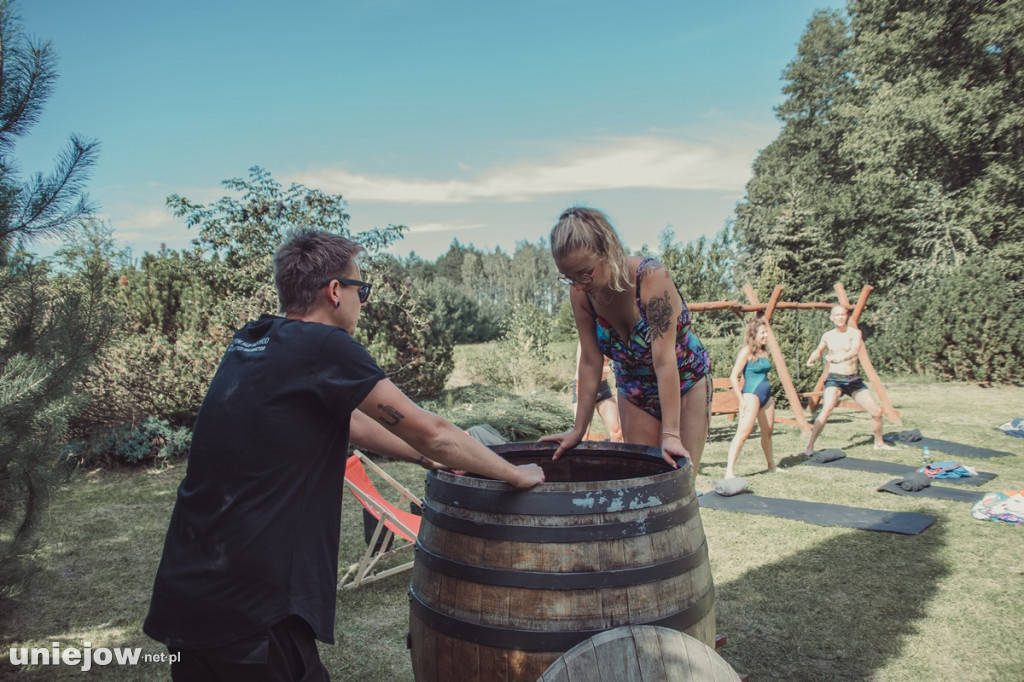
(659, 315)
(650, 266)
(393, 415)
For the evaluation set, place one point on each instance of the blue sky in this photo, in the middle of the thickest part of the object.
(477, 121)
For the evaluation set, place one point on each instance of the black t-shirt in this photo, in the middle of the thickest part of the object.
(254, 533)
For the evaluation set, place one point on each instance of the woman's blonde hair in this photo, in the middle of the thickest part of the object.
(750, 338)
(579, 228)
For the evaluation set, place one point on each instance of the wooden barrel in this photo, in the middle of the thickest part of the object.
(506, 581)
(640, 653)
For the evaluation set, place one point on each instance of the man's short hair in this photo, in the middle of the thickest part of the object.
(308, 259)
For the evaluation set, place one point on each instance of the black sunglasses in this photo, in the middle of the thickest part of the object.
(364, 287)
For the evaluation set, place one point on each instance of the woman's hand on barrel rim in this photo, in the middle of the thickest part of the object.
(566, 441)
(672, 450)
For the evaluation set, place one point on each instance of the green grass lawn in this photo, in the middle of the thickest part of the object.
(796, 601)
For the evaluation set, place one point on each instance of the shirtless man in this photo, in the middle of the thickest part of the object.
(843, 344)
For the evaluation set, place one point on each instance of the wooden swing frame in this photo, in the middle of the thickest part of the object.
(724, 401)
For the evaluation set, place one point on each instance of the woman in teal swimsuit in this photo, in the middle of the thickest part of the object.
(755, 399)
(630, 310)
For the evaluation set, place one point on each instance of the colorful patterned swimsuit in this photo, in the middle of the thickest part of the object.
(633, 362)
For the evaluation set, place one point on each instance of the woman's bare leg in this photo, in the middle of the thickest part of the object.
(610, 415)
(694, 413)
(638, 426)
(766, 422)
(744, 425)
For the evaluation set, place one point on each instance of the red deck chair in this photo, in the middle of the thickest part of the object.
(396, 528)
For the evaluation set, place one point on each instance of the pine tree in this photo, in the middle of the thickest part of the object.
(52, 321)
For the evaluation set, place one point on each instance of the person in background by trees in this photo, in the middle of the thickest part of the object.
(247, 580)
(630, 310)
(843, 344)
(606, 406)
(755, 400)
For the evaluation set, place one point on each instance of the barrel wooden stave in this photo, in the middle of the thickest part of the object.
(440, 656)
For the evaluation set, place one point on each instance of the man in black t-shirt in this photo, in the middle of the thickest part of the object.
(247, 580)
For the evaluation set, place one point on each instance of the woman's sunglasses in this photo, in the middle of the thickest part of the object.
(364, 287)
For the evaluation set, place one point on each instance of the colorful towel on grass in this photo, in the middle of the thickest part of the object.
(1007, 507)
(948, 470)
(1014, 427)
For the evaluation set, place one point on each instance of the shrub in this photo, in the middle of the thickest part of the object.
(565, 323)
(406, 336)
(146, 374)
(152, 441)
(967, 325)
(524, 359)
(516, 417)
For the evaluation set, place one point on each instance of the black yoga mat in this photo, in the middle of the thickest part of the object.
(937, 492)
(947, 447)
(821, 514)
(894, 469)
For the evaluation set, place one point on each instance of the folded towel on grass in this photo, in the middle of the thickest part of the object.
(915, 481)
(895, 469)
(827, 455)
(934, 491)
(1014, 427)
(910, 436)
(729, 486)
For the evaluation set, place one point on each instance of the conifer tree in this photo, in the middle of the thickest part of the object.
(52, 321)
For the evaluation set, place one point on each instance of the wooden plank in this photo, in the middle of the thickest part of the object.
(649, 653)
(773, 302)
(723, 400)
(615, 657)
(556, 672)
(740, 308)
(862, 302)
(579, 662)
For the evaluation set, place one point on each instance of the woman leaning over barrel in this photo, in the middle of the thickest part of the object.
(629, 309)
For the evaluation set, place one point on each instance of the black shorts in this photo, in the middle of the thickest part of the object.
(285, 652)
(604, 391)
(848, 384)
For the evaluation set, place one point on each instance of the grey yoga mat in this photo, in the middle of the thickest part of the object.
(821, 514)
(947, 447)
(937, 492)
(894, 469)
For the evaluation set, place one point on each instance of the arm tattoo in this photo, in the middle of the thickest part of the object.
(659, 315)
(395, 415)
(649, 267)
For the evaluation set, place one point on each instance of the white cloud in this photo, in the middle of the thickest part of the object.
(618, 163)
(421, 228)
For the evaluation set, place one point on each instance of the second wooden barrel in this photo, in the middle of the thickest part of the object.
(506, 581)
(640, 653)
